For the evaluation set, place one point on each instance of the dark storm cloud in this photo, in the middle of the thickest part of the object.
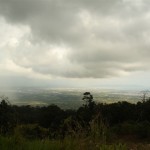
(81, 38)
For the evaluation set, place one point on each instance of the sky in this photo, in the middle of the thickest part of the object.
(75, 43)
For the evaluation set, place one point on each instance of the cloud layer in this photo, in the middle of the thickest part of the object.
(74, 38)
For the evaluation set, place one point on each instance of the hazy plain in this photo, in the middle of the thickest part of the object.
(66, 98)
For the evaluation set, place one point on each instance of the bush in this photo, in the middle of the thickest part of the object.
(31, 131)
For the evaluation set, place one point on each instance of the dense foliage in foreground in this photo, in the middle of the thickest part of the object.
(92, 126)
(66, 144)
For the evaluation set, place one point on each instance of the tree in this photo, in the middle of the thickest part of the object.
(7, 118)
(88, 98)
(145, 95)
(87, 111)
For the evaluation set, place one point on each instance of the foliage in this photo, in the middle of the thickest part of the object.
(66, 144)
(31, 131)
(92, 125)
(7, 117)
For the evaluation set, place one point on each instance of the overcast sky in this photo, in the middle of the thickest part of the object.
(75, 43)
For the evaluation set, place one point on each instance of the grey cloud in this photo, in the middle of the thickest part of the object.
(99, 38)
(18, 10)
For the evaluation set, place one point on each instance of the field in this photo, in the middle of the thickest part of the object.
(66, 98)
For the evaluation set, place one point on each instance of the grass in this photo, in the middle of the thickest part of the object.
(100, 137)
(12, 143)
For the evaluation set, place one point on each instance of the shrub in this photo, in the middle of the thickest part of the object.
(31, 131)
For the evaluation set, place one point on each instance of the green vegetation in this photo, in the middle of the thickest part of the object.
(67, 144)
(66, 98)
(116, 126)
